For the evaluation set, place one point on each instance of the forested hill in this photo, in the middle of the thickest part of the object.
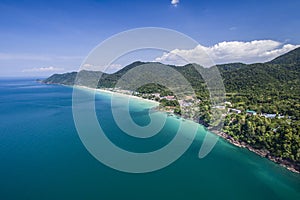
(279, 75)
(292, 57)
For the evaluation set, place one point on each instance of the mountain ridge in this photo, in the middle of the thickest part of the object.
(235, 75)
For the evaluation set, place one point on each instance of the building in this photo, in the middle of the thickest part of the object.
(271, 116)
(170, 97)
(251, 112)
(184, 103)
(228, 103)
(235, 110)
(219, 107)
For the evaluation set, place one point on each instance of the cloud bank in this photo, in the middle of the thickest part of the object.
(107, 69)
(43, 69)
(228, 52)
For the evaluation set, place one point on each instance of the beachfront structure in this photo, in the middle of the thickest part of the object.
(170, 97)
(156, 94)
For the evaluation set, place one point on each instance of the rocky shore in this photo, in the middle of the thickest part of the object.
(263, 153)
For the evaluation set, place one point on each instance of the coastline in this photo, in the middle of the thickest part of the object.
(118, 93)
(263, 153)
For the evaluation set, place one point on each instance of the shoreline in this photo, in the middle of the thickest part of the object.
(262, 153)
(118, 93)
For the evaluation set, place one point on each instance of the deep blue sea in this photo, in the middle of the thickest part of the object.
(42, 156)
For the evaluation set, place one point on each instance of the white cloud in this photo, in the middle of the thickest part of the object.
(88, 66)
(108, 69)
(228, 52)
(114, 68)
(43, 69)
(175, 2)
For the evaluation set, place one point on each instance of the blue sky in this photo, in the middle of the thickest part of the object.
(43, 37)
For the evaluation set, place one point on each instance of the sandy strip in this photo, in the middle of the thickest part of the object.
(118, 93)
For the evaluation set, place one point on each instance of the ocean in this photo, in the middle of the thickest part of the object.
(42, 156)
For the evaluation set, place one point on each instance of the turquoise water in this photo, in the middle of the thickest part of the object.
(42, 156)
